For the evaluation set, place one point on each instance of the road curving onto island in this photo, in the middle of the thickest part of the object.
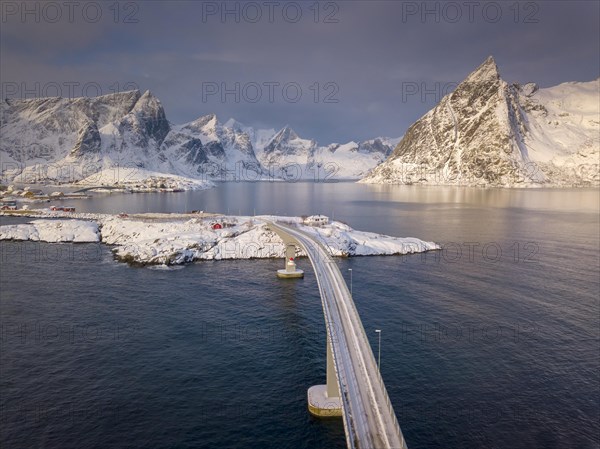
(369, 418)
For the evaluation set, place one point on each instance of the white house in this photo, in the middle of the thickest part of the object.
(316, 220)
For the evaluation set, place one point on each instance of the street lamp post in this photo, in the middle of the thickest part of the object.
(379, 349)
(350, 270)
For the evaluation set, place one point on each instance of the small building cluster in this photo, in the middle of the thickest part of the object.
(221, 224)
(152, 184)
(62, 209)
(8, 205)
(27, 192)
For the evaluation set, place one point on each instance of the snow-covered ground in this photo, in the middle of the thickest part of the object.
(172, 239)
(53, 231)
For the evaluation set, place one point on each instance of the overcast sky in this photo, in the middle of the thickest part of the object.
(334, 71)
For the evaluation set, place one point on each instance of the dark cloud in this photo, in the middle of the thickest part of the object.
(352, 72)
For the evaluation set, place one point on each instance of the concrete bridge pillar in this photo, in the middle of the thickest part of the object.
(324, 400)
(289, 269)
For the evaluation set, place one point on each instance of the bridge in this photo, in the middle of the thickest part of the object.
(355, 389)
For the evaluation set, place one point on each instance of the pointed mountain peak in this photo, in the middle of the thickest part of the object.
(288, 142)
(286, 134)
(488, 71)
(233, 123)
(209, 120)
(206, 124)
(148, 98)
(149, 104)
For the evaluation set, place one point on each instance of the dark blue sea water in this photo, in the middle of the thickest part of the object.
(493, 342)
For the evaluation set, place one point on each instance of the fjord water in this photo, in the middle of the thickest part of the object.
(492, 342)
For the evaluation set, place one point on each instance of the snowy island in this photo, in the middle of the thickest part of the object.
(173, 239)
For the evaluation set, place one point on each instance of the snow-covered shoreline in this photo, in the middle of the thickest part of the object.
(53, 231)
(174, 239)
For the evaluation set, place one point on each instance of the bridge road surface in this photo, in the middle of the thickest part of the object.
(368, 415)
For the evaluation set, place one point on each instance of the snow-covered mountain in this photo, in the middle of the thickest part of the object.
(488, 132)
(297, 158)
(69, 140)
(354, 159)
(259, 137)
(212, 149)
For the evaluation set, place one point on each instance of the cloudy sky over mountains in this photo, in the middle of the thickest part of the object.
(333, 70)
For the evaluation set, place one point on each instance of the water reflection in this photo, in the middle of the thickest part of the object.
(336, 199)
(442, 214)
(539, 199)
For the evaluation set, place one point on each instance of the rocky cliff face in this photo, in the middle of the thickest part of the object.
(490, 133)
(65, 140)
(88, 140)
(53, 128)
